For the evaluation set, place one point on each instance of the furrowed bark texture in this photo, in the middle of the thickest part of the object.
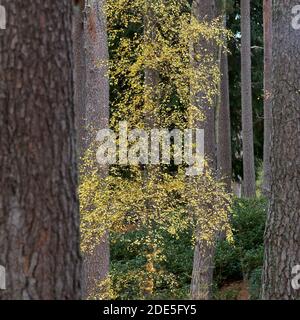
(39, 216)
(247, 117)
(267, 94)
(96, 264)
(282, 236)
(201, 285)
(79, 78)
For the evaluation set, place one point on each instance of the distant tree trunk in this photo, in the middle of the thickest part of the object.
(249, 189)
(267, 94)
(151, 75)
(97, 82)
(79, 77)
(282, 236)
(201, 285)
(96, 264)
(151, 104)
(224, 157)
(224, 127)
(39, 216)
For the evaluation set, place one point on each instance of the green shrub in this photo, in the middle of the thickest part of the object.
(248, 222)
(179, 256)
(255, 284)
(227, 263)
(234, 261)
(237, 260)
(173, 276)
(230, 294)
(251, 260)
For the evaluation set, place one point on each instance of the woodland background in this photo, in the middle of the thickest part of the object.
(73, 229)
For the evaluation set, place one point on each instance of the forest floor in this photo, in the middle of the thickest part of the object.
(237, 290)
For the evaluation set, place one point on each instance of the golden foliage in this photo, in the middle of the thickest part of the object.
(152, 198)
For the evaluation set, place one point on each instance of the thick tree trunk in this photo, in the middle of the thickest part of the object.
(201, 285)
(203, 267)
(267, 94)
(79, 78)
(282, 236)
(96, 264)
(39, 216)
(247, 117)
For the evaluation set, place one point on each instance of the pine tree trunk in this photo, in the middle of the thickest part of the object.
(247, 117)
(224, 127)
(97, 81)
(39, 216)
(96, 264)
(224, 157)
(79, 78)
(201, 285)
(267, 94)
(203, 267)
(282, 236)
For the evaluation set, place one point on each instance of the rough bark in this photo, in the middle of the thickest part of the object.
(247, 117)
(267, 94)
(79, 77)
(96, 264)
(203, 267)
(282, 236)
(201, 285)
(39, 215)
